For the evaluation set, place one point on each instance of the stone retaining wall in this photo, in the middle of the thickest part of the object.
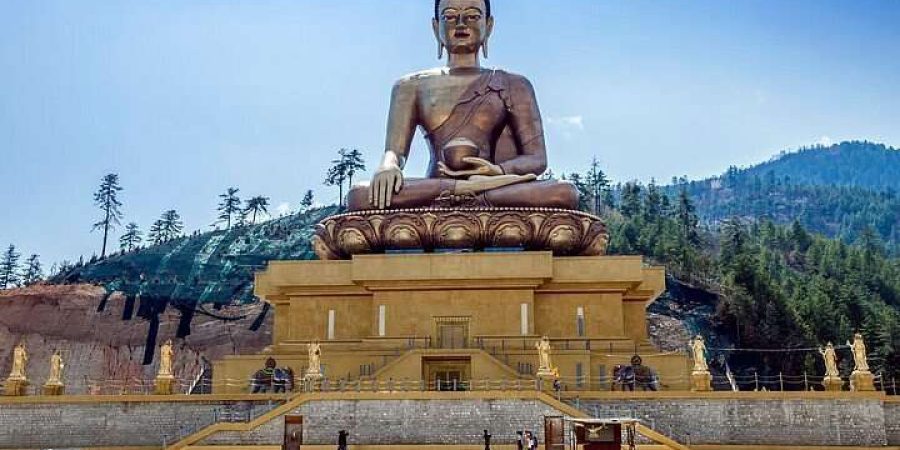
(810, 422)
(435, 422)
(111, 424)
(892, 422)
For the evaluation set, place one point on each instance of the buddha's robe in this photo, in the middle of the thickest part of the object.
(499, 113)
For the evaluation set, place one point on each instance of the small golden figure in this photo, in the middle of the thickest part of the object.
(315, 360)
(831, 369)
(165, 377)
(56, 369)
(545, 366)
(698, 348)
(20, 360)
(54, 384)
(166, 360)
(859, 353)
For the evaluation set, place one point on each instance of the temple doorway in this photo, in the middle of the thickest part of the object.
(447, 374)
(452, 332)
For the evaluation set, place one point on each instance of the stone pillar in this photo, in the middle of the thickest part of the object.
(701, 381)
(862, 381)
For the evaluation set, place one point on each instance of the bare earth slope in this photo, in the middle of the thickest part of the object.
(104, 351)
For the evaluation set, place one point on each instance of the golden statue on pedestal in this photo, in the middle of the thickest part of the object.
(545, 366)
(314, 371)
(17, 381)
(165, 376)
(487, 150)
(832, 380)
(698, 348)
(166, 360)
(54, 384)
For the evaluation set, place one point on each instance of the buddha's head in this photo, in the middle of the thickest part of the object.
(462, 26)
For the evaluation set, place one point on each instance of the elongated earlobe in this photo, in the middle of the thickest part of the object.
(440, 50)
(484, 49)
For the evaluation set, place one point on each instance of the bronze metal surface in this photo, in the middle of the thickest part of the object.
(564, 232)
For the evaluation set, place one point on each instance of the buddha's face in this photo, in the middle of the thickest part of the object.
(462, 25)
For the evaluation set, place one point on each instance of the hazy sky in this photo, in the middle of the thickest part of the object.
(184, 98)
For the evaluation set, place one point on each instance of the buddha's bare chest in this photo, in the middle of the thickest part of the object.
(438, 96)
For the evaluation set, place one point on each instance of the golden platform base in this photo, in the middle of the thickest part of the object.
(862, 381)
(53, 389)
(164, 386)
(15, 387)
(833, 384)
(701, 381)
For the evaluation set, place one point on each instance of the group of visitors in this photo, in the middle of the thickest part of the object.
(526, 440)
(636, 374)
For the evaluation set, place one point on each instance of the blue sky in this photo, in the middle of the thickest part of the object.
(184, 98)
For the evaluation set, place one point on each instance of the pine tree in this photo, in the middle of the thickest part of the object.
(156, 236)
(132, 237)
(230, 205)
(336, 176)
(170, 225)
(354, 162)
(256, 205)
(631, 199)
(597, 185)
(9, 268)
(307, 201)
(33, 272)
(106, 198)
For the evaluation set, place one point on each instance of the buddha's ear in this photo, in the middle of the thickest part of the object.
(436, 26)
(489, 28)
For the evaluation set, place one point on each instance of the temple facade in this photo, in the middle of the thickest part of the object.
(446, 321)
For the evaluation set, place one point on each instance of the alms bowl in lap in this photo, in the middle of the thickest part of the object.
(564, 232)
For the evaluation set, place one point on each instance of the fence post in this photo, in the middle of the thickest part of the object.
(781, 381)
(756, 380)
(805, 382)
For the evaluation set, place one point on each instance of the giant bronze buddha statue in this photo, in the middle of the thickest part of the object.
(486, 137)
(463, 106)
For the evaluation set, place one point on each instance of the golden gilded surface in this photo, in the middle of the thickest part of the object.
(398, 317)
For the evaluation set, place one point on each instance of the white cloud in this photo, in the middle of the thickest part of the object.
(283, 209)
(567, 122)
(825, 141)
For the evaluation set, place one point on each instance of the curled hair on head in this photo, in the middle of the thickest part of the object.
(437, 7)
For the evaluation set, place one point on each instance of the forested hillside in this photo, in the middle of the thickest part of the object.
(840, 191)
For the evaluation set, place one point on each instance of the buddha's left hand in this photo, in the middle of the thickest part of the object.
(482, 167)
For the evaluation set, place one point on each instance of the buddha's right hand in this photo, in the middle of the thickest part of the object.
(388, 180)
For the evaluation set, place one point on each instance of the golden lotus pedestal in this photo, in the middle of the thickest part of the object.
(561, 231)
(833, 384)
(164, 385)
(862, 381)
(701, 381)
(53, 389)
(15, 387)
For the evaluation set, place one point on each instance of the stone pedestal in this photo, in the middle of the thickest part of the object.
(701, 381)
(53, 389)
(15, 387)
(862, 381)
(833, 384)
(164, 386)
